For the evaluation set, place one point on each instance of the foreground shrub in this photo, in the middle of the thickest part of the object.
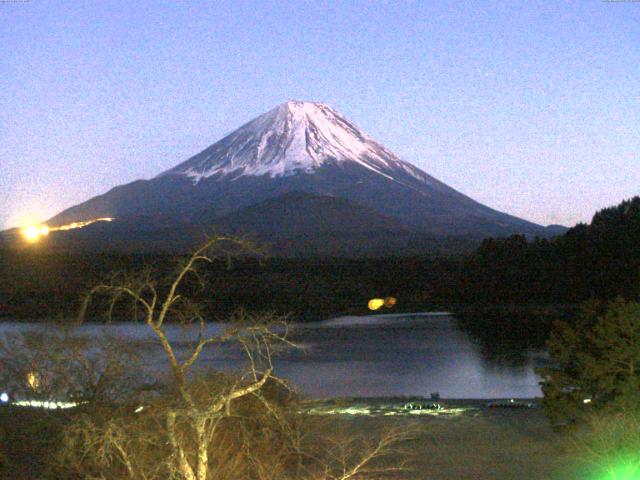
(253, 436)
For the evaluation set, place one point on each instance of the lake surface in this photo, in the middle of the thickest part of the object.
(377, 355)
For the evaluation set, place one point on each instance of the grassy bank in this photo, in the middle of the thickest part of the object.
(467, 441)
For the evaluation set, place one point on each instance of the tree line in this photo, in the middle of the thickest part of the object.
(596, 260)
(599, 260)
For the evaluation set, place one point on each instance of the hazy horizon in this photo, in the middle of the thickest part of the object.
(526, 108)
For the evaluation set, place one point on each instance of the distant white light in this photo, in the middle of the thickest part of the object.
(49, 405)
(139, 409)
(4, 398)
(586, 400)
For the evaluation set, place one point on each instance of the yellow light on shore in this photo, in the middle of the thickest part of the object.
(33, 381)
(375, 303)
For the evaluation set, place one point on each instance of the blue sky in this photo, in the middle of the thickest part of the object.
(531, 107)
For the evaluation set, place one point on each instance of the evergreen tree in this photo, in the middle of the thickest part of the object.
(595, 362)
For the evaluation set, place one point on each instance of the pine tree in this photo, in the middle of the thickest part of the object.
(595, 362)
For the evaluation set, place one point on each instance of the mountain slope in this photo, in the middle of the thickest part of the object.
(298, 213)
(301, 147)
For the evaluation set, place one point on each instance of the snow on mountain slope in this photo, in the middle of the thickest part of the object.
(295, 137)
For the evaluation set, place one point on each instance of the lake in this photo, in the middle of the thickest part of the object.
(376, 355)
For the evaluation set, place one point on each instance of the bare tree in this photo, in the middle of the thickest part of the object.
(200, 414)
(208, 425)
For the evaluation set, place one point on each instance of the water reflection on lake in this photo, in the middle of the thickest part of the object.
(378, 355)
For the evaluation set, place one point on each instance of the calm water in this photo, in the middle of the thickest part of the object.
(381, 355)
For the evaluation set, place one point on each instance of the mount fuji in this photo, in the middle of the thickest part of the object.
(297, 173)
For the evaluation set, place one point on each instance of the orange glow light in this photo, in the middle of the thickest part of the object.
(390, 301)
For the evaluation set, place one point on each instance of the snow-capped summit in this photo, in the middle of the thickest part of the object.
(295, 137)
